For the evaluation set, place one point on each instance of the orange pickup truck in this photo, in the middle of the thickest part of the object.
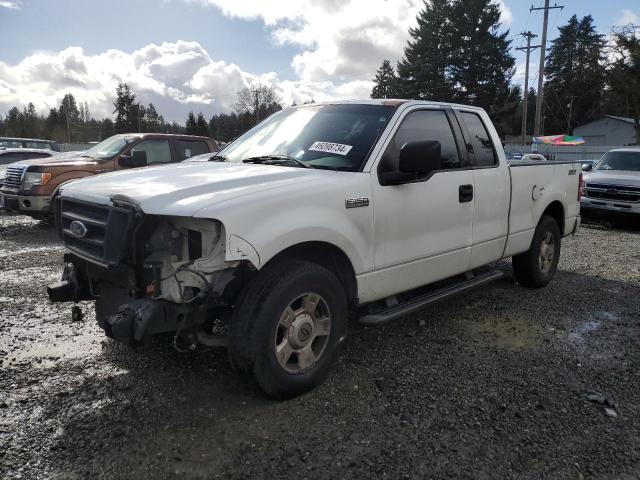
(31, 185)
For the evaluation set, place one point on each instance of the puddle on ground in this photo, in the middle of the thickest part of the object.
(517, 333)
(577, 335)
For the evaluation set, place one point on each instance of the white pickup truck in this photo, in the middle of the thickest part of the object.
(323, 212)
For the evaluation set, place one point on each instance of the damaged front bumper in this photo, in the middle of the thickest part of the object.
(147, 274)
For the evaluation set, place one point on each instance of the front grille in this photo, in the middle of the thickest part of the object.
(612, 192)
(98, 233)
(13, 178)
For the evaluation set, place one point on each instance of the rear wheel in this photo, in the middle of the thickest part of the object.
(287, 326)
(536, 267)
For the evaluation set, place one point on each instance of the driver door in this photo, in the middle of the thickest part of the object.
(423, 229)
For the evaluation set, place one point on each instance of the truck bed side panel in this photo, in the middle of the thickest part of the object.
(534, 189)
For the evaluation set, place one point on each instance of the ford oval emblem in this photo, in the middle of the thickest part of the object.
(78, 229)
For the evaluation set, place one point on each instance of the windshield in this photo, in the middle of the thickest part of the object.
(108, 148)
(337, 137)
(629, 161)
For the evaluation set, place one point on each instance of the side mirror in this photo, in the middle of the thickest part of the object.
(420, 157)
(587, 167)
(138, 158)
(416, 158)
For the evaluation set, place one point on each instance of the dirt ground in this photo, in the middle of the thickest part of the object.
(502, 382)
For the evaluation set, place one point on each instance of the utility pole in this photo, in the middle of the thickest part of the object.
(528, 35)
(543, 45)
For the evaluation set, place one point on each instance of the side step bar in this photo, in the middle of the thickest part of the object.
(416, 303)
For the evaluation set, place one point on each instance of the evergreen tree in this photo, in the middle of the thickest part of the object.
(624, 78)
(152, 120)
(30, 122)
(69, 115)
(126, 120)
(202, 128)
(12, 122)
(385, 82)
(191, 127)
(575, 73)
(458, 53)
(423, 73)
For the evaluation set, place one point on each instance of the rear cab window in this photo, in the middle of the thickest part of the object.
(479, 143)
(191, 148)
(7, 158)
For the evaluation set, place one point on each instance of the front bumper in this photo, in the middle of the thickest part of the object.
(25, 203)
(609, 210)
(609, 205)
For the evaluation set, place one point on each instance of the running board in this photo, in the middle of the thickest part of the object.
(416, 303)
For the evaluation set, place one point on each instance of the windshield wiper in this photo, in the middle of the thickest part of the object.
(276, 160)
(217, 158)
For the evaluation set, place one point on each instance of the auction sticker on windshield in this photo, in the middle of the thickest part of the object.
(329, 147)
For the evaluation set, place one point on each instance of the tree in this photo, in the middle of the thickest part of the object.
(202, 128)
(458, 53)
(30, 122)
(259, 100)
(575, 75)
(126, 113)
(152, 120)
(624, 77)
(191, 127)
(385, 82)
(12, 122)
(69, 114)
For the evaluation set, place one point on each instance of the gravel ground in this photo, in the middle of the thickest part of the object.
(495, 385)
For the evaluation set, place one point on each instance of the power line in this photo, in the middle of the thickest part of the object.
(543, 46)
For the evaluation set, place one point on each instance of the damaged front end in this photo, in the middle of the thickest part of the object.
(148, 274)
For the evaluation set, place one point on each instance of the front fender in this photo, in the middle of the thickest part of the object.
(268, 224)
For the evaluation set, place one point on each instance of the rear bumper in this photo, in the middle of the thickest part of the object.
(26, 203)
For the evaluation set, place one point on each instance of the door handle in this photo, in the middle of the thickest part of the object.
(465, 193)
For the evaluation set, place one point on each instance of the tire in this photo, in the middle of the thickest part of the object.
(285, 308)
(534, 268)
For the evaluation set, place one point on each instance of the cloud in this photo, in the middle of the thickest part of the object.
(341, 43)
(627, 17)
(176, 77)
(11, 5)
(340, 40)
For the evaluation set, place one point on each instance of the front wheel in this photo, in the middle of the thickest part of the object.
(287, 326)
(536, 267)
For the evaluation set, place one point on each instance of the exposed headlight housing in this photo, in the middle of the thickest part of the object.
(33, 179)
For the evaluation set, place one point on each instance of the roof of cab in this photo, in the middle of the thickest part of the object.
(626, 149)
(395, 102)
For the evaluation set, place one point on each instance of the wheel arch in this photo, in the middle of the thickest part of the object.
(555, 210)
(326, 255)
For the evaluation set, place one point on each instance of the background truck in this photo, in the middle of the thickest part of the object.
(612, 187)
(322, 212)
(30, 185)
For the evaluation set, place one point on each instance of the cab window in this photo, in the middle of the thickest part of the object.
(191, 148)
(481, 144)
(423, 125)
(158, 151)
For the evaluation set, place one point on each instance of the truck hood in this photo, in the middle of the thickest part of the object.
(62, 160)
(614, 177)
(183, 189)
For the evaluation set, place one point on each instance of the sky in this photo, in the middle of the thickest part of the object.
(185, 55)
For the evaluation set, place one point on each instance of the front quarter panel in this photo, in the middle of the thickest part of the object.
(273, 220)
